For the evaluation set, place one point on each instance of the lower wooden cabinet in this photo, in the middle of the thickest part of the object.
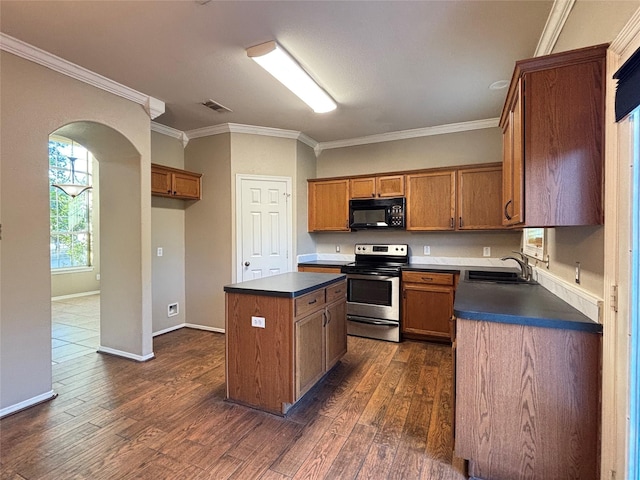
(527, 401)
(427, 305)
(320, 338)
(318, 269)
(175, 183)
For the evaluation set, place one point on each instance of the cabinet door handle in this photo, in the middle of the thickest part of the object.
(313, 301)
(506, 213)
(459, 222)
(427, 279)
(451, 223)
(168, 191)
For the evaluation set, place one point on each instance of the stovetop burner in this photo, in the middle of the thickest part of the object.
(378, 259)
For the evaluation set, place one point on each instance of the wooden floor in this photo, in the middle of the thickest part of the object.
(383, 412)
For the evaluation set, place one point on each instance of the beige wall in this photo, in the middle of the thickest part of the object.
(305, 168)
(168, 232)
(36, 102)
(72, 283)
(476, 146)
(208, 237)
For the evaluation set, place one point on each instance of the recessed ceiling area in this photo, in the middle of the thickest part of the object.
(390, 66)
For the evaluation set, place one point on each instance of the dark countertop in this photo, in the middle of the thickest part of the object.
(291, 285)
(521, 304)
(323, 263)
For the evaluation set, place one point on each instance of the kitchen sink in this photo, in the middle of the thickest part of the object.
(495, 277)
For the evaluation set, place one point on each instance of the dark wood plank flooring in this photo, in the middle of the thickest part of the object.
(384, 412)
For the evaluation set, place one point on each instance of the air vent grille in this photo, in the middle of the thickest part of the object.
(215, 106)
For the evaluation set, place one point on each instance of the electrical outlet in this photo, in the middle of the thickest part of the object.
(337, 248)
(159, 252)
(257, 322)
(486, 251)
(427, 250)
(578, 272)
(97, 276)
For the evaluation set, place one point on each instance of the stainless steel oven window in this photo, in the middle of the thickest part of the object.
(369, 291)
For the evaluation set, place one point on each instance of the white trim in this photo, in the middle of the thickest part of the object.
(251, 130)
(68, 270)
(76, 295)
(50, 395)
(167, 330)
(627, 34)
(583, 301)
(204, 327)
(238, 218)
(414, 133)
(152, 106)
(170, 132)
(555, 23)
(121, 353)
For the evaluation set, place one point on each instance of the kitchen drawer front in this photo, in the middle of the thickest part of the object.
(428, 277)
(310, 302)
(336, 291)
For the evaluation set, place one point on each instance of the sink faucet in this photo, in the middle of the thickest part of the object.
(525, 269)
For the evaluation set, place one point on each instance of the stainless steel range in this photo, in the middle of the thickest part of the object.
(373, 291)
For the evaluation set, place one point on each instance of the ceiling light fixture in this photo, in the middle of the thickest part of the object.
(72, 189)
(275, 60)
(499, 85)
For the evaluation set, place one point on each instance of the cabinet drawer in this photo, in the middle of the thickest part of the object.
(310, 302)
(336, 292)
(428, 277)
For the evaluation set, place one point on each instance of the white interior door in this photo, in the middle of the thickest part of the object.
(264, 226)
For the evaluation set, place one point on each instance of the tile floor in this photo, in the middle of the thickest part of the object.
(75, 327)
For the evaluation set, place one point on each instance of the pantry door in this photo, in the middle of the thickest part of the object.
(263, 226)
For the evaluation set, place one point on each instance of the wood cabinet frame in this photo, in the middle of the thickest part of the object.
(175, 183)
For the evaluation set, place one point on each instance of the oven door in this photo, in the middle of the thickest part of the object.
(373, 296)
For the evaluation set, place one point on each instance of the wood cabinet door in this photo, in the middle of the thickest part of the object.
(309, 352)
(390, 186)
(431, 201)
(512, 163)
(160, 181)
(186, 185)
(335, 333)
(329, 205)
(363, 187)
(480, 198)
(427, 310)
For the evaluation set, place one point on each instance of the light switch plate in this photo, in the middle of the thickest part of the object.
(427, 250)
(159, 251)
(486, 252)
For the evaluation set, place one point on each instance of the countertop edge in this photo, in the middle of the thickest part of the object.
(245, 290)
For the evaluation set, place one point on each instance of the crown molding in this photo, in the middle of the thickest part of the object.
(414, 133)
(627, 34)
(555, 23)
(170, 132)
(251, 130)
(152, 106)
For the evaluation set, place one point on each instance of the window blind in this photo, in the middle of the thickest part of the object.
(628, 88)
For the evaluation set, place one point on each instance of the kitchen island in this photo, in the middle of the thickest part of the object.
(283, 334)
(527, 384)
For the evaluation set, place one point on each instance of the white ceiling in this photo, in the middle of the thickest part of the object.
(390, 65)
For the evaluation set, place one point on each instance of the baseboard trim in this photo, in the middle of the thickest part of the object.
(32, 402)
(204, 327)
(123, 354)
(169, 329)
(76, 295)
(583, 301)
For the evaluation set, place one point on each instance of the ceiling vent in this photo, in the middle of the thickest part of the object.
(216, 107)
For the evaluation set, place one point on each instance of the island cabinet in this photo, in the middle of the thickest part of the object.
(527, 401)
(318, 269)
(380, 186)
(328, 205)
(175, 183)
(427, 305)
(283, 334)
(553, 140)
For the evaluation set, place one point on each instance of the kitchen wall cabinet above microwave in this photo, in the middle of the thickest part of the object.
(553, 140)
(175, 183)
(380, 186)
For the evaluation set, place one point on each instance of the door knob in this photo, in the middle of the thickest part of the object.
(246, 264)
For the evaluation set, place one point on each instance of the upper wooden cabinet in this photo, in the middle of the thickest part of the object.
(175, 183)
(328, 205)
(479, 198)
(431, 201)
(553, 140)
(381, 186)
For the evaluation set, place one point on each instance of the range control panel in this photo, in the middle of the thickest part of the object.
(387, 250)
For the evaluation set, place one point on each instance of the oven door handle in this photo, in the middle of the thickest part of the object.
(377, 275)
(371, 321)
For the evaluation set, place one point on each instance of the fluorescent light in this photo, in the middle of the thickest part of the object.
(275, 60)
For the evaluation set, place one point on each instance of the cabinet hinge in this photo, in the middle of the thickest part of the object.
(613, 298)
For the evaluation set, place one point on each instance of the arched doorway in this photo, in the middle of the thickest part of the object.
(125, 290)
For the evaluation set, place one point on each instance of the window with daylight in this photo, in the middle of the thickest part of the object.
(70, 217)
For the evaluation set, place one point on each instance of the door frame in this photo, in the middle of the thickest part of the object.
(240, 177)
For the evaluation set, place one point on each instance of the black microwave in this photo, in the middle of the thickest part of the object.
(377, 213)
